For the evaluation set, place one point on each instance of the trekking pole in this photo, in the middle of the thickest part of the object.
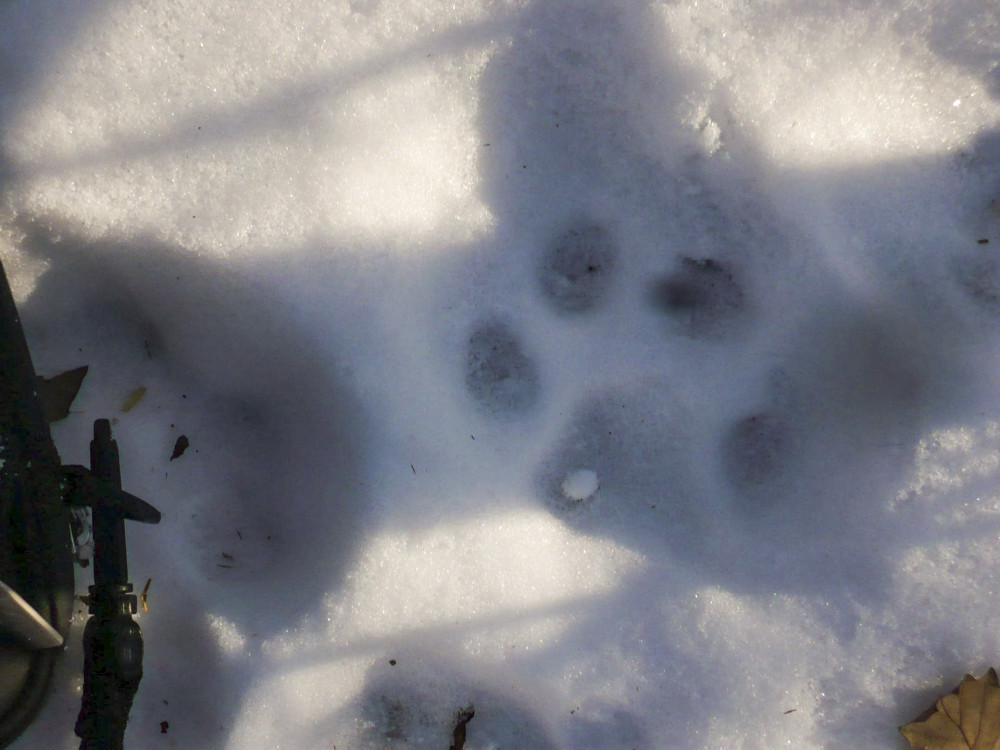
(112, 640)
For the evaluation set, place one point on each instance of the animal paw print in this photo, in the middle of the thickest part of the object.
(501, 378)
(754, 451)
(576, 276)
(577, 268)
(700, 297)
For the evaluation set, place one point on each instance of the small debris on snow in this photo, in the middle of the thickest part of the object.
(458, 736)
(57, 393)
(133, 399)
(180, 446)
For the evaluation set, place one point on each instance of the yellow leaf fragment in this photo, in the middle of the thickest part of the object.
(967, 719)
(990, 725)
(132, 399)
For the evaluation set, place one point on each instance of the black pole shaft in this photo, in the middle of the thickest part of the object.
(110, 553)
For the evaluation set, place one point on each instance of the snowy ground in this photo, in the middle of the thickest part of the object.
(627, 370)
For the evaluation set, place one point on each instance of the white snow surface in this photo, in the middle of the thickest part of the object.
(399, 269)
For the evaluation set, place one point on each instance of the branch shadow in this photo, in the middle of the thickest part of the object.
(289, 106)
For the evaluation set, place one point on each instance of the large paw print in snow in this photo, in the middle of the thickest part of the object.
(625, 455)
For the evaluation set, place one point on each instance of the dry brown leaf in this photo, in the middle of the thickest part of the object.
(967, 719)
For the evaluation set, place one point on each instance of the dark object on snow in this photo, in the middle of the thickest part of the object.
(180, 446)
(458, 736)
(36, 558)
(112, 641)
(57, 393)
(132, 399)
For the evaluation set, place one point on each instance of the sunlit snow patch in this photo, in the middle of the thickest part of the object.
(23, 271)
(958, 459)
(228, 636)
(836, 86)
(475, 589)
(257, 137)
(474, 573)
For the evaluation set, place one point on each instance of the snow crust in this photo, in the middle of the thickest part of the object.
(627, 370)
